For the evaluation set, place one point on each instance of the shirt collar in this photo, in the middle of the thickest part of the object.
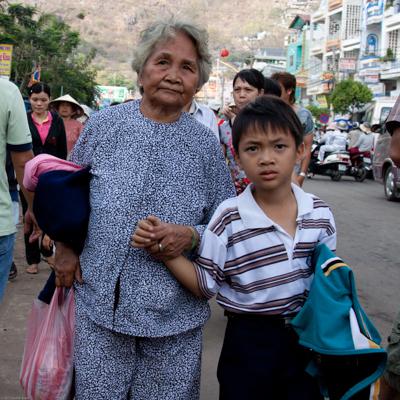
(48, 119)
(194, 108)
(253, 216)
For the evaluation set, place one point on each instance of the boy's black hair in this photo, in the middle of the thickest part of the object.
(252, 76)
(39, 87)
(267, 113)
(272, 87)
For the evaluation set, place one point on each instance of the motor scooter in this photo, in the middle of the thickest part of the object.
(334, 165)
(360, 166)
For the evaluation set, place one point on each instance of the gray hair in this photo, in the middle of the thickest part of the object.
(160, 32)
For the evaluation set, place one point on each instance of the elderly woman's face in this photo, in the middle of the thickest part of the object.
(65, 109)
(170, 76)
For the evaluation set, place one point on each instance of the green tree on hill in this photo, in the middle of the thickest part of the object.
(46, 40)
(350, 95)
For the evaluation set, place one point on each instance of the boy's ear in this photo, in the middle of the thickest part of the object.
(301, 152)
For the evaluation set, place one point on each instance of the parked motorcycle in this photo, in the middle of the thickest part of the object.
(334, 165)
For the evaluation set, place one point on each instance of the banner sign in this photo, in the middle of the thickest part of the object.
(347, 65)
(5, 60)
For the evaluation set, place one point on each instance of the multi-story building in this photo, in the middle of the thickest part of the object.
(358, 38)
(335, 41)
(390, 67)
(373, 48)
(297, 53)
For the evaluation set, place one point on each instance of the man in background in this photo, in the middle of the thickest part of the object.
(204, 115)
(15, 137)
(288, 86)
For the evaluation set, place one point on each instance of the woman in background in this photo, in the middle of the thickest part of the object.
(48, 136)
(248, 84)
(69, 110)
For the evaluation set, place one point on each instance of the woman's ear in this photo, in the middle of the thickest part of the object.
(261, 92)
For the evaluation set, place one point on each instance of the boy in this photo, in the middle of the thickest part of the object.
(254, 256)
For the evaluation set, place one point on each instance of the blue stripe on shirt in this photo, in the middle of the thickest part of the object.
(19, 147)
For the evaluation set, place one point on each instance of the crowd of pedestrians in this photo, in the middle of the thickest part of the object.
(184, 205)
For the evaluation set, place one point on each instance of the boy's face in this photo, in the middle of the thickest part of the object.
(268, 158)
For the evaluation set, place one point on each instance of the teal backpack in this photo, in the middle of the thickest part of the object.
(347, 356)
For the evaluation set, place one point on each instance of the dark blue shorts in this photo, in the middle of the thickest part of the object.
(261, 359)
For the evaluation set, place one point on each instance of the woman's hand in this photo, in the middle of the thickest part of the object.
(47, 242)
(143, 238)
(161, 239)
(67, 267)
(31, 225)
(229, 112)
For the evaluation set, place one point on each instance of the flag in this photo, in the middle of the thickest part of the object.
(35, 77)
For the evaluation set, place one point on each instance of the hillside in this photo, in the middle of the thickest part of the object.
(112, 27)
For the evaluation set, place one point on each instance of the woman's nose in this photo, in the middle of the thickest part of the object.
(173, 74)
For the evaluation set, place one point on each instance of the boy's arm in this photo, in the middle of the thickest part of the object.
(185, 272)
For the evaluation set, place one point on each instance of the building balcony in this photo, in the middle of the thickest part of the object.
(317, 46)
(374, 13)
(392, 22)
(390, 70)
(318, 16)
(333, 4)
(332, 43)
(353, 43)
(374, 19)
(316, 87)
(388, 12)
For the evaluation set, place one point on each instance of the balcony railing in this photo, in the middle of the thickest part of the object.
(333, 4)
(332, 43)
(390, 65)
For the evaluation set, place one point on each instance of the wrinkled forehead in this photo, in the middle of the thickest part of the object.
(168, 43)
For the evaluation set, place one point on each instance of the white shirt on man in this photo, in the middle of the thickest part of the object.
(365, 142)
(204, 115)
(253, 264)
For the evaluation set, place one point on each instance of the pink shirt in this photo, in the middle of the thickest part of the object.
(44, 127)
(73, 129)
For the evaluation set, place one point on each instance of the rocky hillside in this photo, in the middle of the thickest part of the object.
(112, 27)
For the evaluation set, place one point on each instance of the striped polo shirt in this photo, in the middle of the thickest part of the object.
(252, 264)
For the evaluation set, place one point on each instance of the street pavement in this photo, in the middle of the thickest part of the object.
(368, 240)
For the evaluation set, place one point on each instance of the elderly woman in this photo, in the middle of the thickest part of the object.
(138, 331)
(69, 110)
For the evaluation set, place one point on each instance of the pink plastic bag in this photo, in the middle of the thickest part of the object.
(47, 364)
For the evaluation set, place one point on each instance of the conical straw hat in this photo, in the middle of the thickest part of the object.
(69, 99)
